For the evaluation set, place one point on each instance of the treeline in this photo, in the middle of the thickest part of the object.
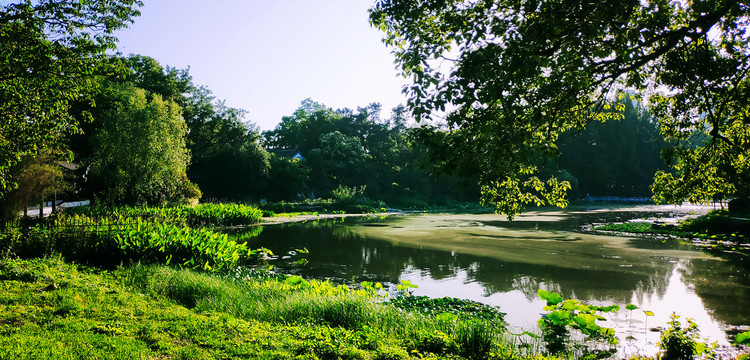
(612, 158)
(151, 136)
(357, 149)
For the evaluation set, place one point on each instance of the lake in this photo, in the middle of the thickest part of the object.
(488, 259)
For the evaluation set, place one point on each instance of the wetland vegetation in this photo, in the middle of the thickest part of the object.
(542, 110)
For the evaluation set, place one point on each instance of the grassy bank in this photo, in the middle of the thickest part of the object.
(56, 310)
(164, 283)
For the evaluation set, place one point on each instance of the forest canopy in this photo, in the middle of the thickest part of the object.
(512, 75)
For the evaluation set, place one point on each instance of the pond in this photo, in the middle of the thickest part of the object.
(488, 259)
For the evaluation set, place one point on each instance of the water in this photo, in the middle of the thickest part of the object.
(487, 259)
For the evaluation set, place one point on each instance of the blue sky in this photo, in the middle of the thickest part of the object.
(268, 56)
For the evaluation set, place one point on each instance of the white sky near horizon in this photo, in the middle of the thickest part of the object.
(268, 56)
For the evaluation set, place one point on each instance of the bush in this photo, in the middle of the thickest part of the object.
(717, 222)
(678, 343)
(435, 342)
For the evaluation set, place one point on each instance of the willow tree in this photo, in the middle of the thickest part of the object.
(511, 75)
(51, 52)
(139, 155)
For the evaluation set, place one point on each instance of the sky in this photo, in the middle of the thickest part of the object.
(267, 56)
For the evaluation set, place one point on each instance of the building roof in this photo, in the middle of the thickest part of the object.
(287, 153)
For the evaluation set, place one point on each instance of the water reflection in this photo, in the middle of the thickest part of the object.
(482, 258)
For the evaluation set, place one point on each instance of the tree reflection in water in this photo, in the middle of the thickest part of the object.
(483, 258)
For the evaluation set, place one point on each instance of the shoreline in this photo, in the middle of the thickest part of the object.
(277, 220)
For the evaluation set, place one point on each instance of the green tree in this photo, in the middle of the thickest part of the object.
(51, 52)
(286, 178)
(512, 75)
(357, 148)
(139, 154)
(38, 179)
(707, 113)
(615, 158)
(228, 161)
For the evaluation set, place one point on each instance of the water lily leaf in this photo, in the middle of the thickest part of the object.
(648, 313)
(742, 338)
(551, 297)
(630, 307)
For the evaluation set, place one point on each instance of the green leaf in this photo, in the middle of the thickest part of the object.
(630, 307)
(446, 317)
(551, 297)
(742, 338)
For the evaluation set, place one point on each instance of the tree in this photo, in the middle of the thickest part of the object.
(37, 179)
(139, 154)
(615, 158)
(512, 75)
(708, 114)
(52, 50)
(228, 162)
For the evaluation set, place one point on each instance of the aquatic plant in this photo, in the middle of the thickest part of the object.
(194, 216)
(682, 343)
(462, 309)
(565, 315)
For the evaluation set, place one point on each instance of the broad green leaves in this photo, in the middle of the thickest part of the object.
(564, 315)
(742, 338)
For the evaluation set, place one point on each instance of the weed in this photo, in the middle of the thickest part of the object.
(682, 343)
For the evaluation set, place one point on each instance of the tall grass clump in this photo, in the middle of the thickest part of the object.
(294, 301)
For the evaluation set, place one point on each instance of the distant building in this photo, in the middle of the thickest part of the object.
(287, 153)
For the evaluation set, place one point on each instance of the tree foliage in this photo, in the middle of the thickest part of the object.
(615, 158)
(226, 160)
(512, 75)
(139, 154)
(51, 51)
(356, 149)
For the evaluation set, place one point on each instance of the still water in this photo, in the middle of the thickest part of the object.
(488, 259)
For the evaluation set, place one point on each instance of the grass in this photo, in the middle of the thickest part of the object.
(717, 230)
(156, 312)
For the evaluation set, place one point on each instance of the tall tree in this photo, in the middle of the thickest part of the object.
(51, 51)
(139, 154)
(513, 75)
(228, 161)
(615, 158)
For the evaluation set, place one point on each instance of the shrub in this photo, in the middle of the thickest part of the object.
(681, 343)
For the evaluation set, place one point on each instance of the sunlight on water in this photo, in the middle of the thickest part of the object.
(487, 259)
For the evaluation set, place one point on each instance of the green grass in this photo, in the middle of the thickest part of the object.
(156, 312)
(714, 226)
